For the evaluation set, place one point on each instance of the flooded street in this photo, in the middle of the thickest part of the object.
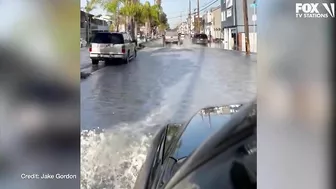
(123, 105)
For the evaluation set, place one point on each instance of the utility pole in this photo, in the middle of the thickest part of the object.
(246, 28)
(189, 18)
(198, 19)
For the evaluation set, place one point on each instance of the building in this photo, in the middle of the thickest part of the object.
(216, 23)
(207, 23)
(183, 28)
(203, 21)
(212, 22)
(233, 24)
(90, 24)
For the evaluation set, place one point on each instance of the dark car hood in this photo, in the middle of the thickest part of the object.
(202, 125)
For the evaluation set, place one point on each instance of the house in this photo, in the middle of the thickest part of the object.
(207, 20)
(233, 24)
(216, 23)
(90, 23)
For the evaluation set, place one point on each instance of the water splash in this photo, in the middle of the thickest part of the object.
(111, 159)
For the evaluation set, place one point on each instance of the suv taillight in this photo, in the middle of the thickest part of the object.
(123, 49)
(90, 49)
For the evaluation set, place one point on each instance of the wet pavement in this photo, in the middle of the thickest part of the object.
(130, 102)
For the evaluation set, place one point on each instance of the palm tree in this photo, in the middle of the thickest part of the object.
(139, 18)
(133, 11)
(113, 7)
(151, 14)
(162, 27)
(128, 9)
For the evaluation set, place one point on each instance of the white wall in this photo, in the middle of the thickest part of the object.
(226, 38)
(253, 42)
(212, 31)
(209, 17)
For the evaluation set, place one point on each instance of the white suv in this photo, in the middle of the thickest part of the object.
(107, 46)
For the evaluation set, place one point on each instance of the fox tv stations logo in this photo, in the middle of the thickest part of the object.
(315, 10)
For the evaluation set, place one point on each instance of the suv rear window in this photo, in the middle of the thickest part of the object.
(202, 36)
(114, 38)
(171, 33)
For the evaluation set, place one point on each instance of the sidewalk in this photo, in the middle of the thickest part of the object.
(221, 46)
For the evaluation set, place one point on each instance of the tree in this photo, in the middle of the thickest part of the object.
(163, 18)
(134, 14)
(151, 14)
(130, 9)
(91, 5)
(123, 10)
(162, 25)
(113, 7)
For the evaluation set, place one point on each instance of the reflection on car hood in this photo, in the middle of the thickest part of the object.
(203, 124)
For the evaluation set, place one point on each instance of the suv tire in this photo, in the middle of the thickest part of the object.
(127, 59)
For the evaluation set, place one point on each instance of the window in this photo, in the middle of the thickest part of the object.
(117, 38)
(114, 38)
(223, 16)
(228, 3)
(229, 12)
(201, 36)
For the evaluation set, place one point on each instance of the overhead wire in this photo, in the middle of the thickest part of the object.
(204, 7)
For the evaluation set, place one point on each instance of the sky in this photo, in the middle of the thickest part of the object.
(173, 8)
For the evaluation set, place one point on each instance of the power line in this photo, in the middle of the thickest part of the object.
(209, 5)
(202, 9)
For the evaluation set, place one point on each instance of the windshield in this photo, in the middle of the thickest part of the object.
(104, 38)
(203, 124)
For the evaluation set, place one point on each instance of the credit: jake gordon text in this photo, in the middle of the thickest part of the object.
(46, 176)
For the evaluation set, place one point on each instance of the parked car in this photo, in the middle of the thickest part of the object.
(83, 43)
(172, 37)
(115, 45)
(216, 148)
(201, 39)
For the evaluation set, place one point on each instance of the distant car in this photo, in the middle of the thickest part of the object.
(116, 45)
(171, 37)
(82, 43)
(201, 39)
